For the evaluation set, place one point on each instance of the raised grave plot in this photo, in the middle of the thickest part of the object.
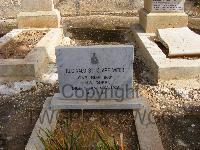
(21, 45)
(110, 124)
(25, 53)
(156, 59)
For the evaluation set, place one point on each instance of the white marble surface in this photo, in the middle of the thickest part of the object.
(180, 41)
(89, 70)
(168, 5)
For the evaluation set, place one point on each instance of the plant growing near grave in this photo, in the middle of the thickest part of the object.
(69, 139)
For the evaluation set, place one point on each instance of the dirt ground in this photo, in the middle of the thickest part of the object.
(21, 45)
(19, 113)
(176, 107)
(176, 104)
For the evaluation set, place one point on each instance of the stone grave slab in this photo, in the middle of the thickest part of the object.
(180, 41)
(37, 5)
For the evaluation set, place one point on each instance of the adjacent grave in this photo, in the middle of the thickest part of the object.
(167, 35)
(95, 77)
(158, 14)
(28, 59)
(160, 65)
(180, 41)
(38, 14)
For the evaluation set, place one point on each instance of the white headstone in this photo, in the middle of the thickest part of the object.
(95, 72)
(168, 5)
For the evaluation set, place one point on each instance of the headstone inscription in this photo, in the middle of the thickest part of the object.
(168, 5)
(95, 72)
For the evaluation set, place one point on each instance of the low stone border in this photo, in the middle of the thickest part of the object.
(47, 120)
(147, 131)
(161, 67)
(36, 61)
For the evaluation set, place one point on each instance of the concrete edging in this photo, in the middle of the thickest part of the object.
(41, 125)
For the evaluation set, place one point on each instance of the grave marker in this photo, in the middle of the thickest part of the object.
(90, 71)
(159, 14)
(95, 77)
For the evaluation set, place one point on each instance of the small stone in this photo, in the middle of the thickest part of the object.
(92, 119)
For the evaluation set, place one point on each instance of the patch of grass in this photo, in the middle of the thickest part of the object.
(76, 140)
(66, 138)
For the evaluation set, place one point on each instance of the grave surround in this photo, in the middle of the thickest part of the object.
(161, 67)
(35, 62)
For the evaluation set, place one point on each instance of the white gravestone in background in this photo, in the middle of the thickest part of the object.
(168, 5)
(95, 72)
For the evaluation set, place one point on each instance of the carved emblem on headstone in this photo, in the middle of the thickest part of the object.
(94, 59)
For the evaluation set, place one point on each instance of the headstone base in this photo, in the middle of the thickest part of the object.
(39, 19)
(58, 102)
(153, 21)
